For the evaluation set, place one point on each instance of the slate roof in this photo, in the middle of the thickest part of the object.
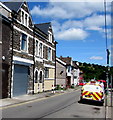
(44, 27)
(67, 60)
(13, 5)
(75, 65)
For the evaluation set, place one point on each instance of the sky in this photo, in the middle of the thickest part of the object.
(78, 27)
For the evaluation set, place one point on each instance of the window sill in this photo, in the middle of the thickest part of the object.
(24, 52)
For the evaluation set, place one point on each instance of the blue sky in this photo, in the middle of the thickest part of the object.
(78, 28)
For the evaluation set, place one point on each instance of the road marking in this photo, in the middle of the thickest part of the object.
(19, 104)
(35, 100)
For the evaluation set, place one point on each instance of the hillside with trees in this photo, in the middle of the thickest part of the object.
(92, 71)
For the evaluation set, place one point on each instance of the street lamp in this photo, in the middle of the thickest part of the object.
(108, 69)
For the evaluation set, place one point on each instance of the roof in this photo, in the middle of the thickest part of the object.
(13, 5)
(75, 64)
(60, 61)
(44, 27)
(67, 60)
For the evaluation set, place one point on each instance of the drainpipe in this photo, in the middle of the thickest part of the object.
(55, 63)
(11, 60)
(12, 24)
(33, 57)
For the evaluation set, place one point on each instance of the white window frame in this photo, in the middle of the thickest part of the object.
(36, 81)
(26, 43)
(47, 71)
(36, 52)
(25, 13)
(26, 19)
(49, 54)
(50, 36)
(42, 76)
(22, 17)
(40, 51)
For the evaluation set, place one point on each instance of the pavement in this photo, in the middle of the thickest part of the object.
(25, 98)
(109, 107)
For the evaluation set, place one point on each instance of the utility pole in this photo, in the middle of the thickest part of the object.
(108, 69)
(107, 50)
(111, 90)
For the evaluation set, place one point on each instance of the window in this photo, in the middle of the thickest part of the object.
(36, 76)
(24, 42)
(40, 49)
(46, 72)
(49, 53)
(36, 47)
(22, 17)
(68, 68)
(40, 77)
(26, 19)
(50, 37)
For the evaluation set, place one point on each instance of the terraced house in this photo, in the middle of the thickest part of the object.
(28, 50)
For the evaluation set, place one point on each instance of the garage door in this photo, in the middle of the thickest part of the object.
(20, 80)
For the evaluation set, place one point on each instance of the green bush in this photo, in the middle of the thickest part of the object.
(72, 86)
(57, 87)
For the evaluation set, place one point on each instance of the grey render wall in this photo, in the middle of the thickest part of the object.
(60, 78)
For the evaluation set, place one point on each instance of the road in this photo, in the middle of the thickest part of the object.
(59, 106)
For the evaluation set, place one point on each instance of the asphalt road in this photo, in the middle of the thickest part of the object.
(59, 106)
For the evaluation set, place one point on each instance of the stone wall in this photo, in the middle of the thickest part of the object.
(6, 63)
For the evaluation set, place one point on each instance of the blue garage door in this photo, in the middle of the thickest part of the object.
(20, 83)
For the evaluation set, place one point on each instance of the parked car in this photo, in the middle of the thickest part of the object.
(82, 83)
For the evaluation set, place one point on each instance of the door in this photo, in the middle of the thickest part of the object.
(20, 80)
(68, 82)
(4, 82)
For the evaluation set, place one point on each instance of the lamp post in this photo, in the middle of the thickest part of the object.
(108, 69)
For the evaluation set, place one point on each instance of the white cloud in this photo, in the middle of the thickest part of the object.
(66, 10)
(96, 58)
(72, 24)
(97, 21)
(93, 1)
(54, 12)
(72, 34)
(56, 26)
(95, 28)
(73, 29)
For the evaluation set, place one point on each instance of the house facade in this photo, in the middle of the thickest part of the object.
(76, 73)
(72, 71)
(60, 73)
(30, 52)
(6, 27)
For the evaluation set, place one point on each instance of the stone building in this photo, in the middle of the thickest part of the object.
(6, 27)
(29, 51)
